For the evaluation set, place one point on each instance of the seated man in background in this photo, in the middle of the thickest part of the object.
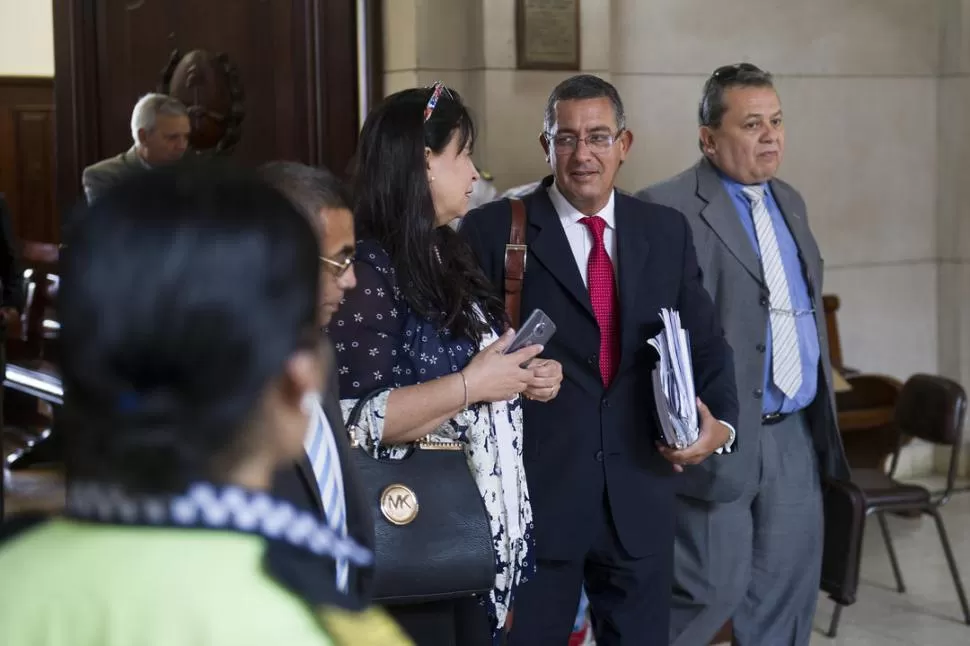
(190, 342)
(160, 129)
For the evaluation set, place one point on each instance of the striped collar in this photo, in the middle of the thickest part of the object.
(217, 507)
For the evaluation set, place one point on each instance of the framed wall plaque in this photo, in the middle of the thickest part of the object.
(547, 34)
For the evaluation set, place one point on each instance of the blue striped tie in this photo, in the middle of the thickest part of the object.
(321, 449)
(786, 364)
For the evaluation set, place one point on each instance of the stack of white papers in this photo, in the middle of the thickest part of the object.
(673, 383)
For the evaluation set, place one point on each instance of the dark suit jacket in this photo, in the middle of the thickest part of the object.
(98, 178)
(732, 275)
(297, 484)
(592, 441)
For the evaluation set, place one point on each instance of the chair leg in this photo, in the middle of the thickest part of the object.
(945, 540)
(900, 586)
(834, 624)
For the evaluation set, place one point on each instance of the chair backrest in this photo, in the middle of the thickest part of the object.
(41, 283)
(933, 409)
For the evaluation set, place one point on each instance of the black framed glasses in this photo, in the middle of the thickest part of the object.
(339, 267)
(598, 142)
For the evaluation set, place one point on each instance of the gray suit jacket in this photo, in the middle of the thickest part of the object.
(100, 177)
(732, 276)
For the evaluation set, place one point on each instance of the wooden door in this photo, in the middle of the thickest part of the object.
(297, 60)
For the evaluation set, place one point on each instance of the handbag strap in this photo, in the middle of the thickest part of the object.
(516, 252)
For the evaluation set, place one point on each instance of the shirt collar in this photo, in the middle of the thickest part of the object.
(141, 160)
(735, 187)
(570, 215)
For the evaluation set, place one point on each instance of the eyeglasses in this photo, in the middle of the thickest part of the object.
(438, 89)
(339, 267)
(728, 73)
(598, 142)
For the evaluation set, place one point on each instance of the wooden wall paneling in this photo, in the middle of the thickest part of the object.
(336, 101)
(27, 157)
(75, 99)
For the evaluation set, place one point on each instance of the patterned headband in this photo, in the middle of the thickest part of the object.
(439, 87)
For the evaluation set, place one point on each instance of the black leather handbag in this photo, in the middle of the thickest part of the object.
(432, 536)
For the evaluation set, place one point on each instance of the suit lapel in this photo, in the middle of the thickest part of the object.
(331, 409)
(632, 251)
(798, 226)
(721, 215)
(549, 246)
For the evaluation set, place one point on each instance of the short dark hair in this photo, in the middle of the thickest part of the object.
(711, 110)
(184, 292)
(393, 205)
(583, 86)
(310, 188)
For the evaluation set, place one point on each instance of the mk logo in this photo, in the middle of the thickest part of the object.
(400, 500)
(399, 504)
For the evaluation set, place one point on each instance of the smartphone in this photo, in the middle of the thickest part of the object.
(538, 328)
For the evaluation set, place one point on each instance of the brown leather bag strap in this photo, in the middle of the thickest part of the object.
(516, 252)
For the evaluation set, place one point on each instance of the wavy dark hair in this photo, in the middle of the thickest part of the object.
(393, 205)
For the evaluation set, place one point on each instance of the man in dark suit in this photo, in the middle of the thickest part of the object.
(320, 195)
(749, 530)
(160, 130)
(602, 264)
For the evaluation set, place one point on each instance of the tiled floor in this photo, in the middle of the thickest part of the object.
(928, 613)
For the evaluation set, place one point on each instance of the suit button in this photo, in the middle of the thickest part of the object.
(606, 403)
(592, 361)
(763, 301)
(599, 456)
(760, 348)
(758, 393)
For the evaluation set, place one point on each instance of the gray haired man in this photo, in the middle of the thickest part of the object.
(749, 525)
(160, 129)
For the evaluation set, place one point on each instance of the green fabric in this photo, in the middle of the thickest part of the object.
(69, 583)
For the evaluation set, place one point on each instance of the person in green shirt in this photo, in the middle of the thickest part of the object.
(189, 344)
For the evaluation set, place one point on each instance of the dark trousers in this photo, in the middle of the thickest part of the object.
(629, 597)
(456, 622)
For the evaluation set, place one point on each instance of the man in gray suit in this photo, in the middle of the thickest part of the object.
(160, 129)
(749, 527)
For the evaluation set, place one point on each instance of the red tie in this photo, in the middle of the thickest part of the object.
(602, 294)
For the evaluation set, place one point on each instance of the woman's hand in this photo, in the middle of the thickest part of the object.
(546, 378)
(494, 376)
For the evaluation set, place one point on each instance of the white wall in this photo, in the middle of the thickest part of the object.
(26, 38)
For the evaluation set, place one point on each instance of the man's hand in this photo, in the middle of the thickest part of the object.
(711, 436)
(546, 378)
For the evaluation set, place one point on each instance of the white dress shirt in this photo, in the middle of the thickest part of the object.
(580, 240)
(579, 236)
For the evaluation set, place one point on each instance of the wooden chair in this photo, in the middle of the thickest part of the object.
(31, 379)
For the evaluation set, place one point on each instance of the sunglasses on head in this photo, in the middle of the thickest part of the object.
(727, 73)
